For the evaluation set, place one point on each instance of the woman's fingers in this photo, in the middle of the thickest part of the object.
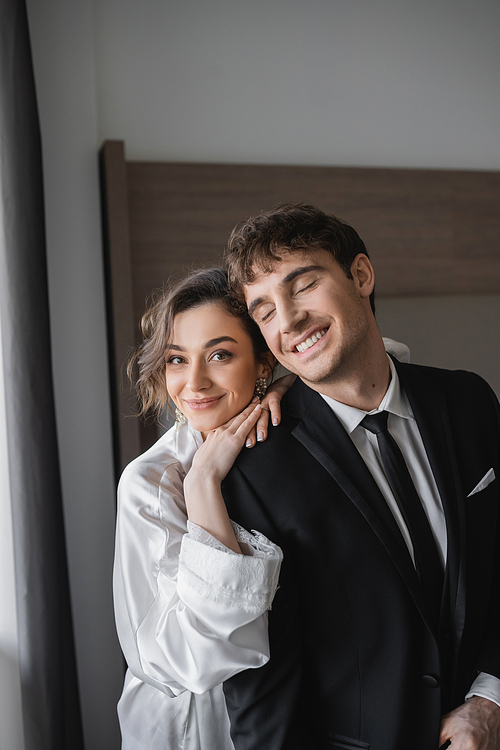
(257, 426)
(271, 402)
(258, 433)
(274, 406)
(250, 420)
(271, 410)
(251, 438)
(275, 393)
(244, 424)
(262, 423)
(235, 422)
(218, 452)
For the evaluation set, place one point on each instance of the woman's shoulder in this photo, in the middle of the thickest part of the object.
(171, 454)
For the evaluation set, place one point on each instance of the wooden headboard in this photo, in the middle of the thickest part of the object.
(427, 232)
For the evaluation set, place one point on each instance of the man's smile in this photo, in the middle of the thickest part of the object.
(310, 340)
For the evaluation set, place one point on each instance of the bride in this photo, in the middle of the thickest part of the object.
(191, 589)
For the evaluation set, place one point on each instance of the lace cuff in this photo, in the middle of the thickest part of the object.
(254, 544)
(199, 534)
(247, 582)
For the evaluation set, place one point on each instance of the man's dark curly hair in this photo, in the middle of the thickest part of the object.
(259, 242)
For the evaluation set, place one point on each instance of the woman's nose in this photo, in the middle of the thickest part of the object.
(198, 379)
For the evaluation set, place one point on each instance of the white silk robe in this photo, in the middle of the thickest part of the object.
(189, 612)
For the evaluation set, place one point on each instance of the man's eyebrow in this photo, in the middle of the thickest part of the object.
(290, 277)
(254, 305)
(299, 272)
(212, 342)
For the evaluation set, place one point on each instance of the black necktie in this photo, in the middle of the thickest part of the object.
(427, 561)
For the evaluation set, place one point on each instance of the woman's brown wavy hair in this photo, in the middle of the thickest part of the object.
(197, 288)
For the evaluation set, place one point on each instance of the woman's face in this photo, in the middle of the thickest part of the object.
(211, 367)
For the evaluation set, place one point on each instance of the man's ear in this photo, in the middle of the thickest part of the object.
(266, 365)
(363, 275)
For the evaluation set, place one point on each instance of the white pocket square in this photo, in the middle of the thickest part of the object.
(485, 481)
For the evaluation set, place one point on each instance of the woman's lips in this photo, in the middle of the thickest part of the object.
(199, 404)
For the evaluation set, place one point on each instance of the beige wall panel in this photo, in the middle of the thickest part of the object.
(456, 332)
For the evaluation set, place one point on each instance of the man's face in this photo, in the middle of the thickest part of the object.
(315, 320)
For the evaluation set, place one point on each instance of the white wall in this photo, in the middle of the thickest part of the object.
(345, 82)
(362, 83)
(458, 333)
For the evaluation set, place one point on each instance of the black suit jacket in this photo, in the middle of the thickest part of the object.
(356, 659)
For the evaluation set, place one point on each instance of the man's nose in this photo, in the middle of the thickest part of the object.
(291, 316)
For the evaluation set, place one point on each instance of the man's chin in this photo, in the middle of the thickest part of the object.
(310, 371)
(316, 377)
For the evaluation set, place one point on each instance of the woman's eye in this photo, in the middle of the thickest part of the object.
(175, 361)
(221, 356)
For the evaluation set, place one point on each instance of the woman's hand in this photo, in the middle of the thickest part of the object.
(212, 461)
(218, 453)
(271, 409)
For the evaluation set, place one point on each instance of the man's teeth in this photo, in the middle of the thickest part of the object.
(310, 342)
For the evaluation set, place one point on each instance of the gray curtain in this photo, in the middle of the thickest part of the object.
(50, 704)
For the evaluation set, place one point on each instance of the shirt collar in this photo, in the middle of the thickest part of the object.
(394, 401)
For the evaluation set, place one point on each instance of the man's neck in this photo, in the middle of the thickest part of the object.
(364, 384)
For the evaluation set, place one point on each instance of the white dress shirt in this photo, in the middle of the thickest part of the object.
(403, 428)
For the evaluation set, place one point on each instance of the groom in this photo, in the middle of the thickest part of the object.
(381, 486)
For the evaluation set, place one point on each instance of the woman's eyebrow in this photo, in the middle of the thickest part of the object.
(212, 342)
(219, 340)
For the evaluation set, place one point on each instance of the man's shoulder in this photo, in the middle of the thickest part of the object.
(461, 390)
(441, 375)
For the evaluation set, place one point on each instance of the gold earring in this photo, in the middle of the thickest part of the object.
(260, 387)
(180, 418)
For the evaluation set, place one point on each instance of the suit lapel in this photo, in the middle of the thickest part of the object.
(429, 408)
(321, 433)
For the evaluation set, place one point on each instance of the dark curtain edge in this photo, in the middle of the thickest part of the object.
(49, 688)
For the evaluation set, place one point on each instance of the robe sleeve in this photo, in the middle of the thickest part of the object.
(190, 613)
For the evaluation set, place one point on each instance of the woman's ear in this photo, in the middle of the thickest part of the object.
(266, 366)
